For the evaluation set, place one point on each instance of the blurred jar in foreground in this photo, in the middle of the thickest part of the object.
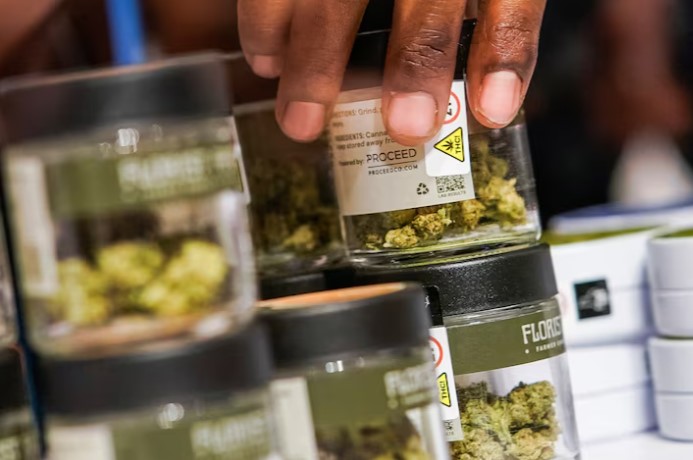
(294, 212)
(468, 189)
(123, 217)
(8, 329)
(18, 434)
(205, 401)
(355, 375)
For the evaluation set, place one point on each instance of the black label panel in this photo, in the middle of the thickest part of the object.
(592, 299)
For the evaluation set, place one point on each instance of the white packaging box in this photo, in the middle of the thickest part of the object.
(604, 369)
(614, 414)
(603, 289)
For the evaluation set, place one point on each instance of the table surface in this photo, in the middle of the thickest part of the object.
(645, 446)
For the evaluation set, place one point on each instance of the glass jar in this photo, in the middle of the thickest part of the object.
(207, 401)
(498, 331)
(469, 188)
(293, 207)
(18, 434)
(122, 209)
(355, 378)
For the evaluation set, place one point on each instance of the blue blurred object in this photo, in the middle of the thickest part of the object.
(127, 32)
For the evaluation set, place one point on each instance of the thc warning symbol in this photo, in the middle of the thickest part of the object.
(452, 145)
(444, 390)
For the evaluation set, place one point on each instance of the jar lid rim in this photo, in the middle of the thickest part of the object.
(96, 385)
(387, 319)
(187, 87)
(507, 277)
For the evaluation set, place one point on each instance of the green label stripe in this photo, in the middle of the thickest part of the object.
(370, 395)
(244, 436)
(506, 343)
(93, 185)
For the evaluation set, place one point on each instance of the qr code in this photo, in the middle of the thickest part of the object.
(447, 184)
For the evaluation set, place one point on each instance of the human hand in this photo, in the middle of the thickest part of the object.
(307, 44)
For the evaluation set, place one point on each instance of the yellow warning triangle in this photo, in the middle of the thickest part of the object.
(452, 144)
(444, 390)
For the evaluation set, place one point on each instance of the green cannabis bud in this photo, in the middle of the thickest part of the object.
(293, 208)
(404, 237)
(398, 439)
(82, 298)
(289, 213)
(130, 265)
(497, 202)
(519, 426)
(139, 278)
(190, 281)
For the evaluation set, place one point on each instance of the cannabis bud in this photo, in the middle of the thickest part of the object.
(397, 439)
(137, 278)
(519, 426)
(293, 209)
(497, 203)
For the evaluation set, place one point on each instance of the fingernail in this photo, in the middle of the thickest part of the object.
(266, 66)
(500, 96)
(412, 114)
(303, 121)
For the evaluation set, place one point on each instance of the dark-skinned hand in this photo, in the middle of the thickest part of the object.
(306, 43)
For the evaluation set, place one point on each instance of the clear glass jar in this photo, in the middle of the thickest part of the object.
(294, 214)
(126, 231)
(513, 392)
(355, 414)
(236, 428)
(204, 401)
(499, 353)
(344, 388)
(468, 189)
(18, 433)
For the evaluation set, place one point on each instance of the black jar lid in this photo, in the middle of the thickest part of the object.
(367, 59)
(273, 287)
(377, 16)
(247, 86)
(325, 326)
(189, 87)
(474, 284)
(205, 370)
(250, 88)
(13, 393)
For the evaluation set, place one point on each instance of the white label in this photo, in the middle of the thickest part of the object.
(445, 381)
(80, 443)
(34, 228)
(448, 152)
(374, 174)
(294, 419)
